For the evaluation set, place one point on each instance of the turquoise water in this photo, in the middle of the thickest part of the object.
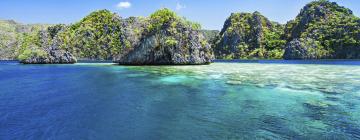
(217, 101)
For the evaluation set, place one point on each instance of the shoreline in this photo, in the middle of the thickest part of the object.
(355, 62)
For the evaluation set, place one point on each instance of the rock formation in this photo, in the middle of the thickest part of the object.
(163, 38)
(46, 49)
(249, 35)
(168, 40)
(323, 30)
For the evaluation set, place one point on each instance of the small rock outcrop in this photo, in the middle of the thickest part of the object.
(248, 36)
(323, 30)
(167, 40)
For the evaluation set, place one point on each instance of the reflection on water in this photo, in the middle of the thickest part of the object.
(217, 101)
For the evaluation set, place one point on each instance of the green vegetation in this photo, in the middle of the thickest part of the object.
(164, 18)
(332, 31)
(170, 41)
(30, 46)
(170, 29)
(322, 30)
(8, 34)
(249, 36)
(166, 39)
(32, 52)
(12, 36)
(97, 36)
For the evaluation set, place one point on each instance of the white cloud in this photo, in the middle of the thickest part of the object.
(179, 6)
(123, 5)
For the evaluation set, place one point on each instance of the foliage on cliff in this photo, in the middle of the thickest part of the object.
(166, 18)
(13, 35)
(168, 39)
(30, 46)
(248, 36)
(43, 47)
(97, 36)
(323, 29)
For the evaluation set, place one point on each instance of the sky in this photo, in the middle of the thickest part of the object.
(211, 14)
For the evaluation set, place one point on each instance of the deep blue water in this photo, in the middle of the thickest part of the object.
(258, 100)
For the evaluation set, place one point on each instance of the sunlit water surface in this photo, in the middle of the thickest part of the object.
(217, 101)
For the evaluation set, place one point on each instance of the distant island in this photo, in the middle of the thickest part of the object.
(322, 30)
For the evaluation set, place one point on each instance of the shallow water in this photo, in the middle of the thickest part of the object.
(217, 101)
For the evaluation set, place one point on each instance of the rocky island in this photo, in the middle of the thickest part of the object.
(161, 39)
(168, 39)
(322, 30)
(152, 77)
(248, 36)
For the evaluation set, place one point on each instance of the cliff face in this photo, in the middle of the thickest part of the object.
(168, 39)
(323, 30)
(44, 48)
(163, 38)
(164, 47)
(249, 35)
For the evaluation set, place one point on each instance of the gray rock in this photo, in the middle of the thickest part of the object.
(154, 49)
(300, 49)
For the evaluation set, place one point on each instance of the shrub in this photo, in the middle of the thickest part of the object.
(170, 41)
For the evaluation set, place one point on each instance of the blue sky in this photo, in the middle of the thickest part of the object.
(210, 13)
